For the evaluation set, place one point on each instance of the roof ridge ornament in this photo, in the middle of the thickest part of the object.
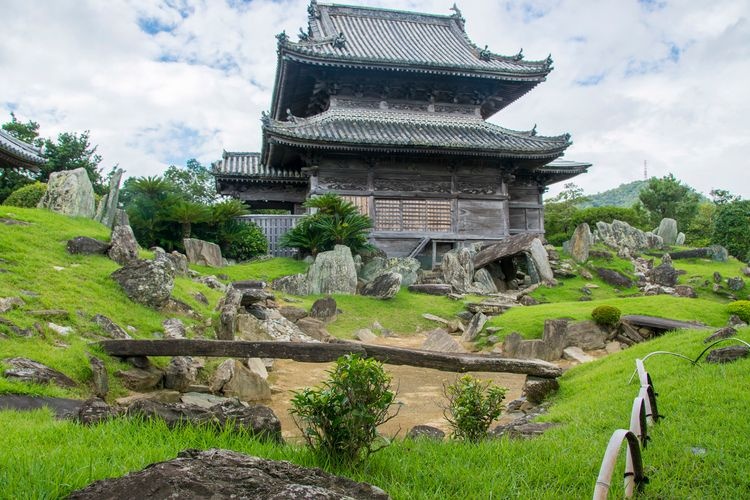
(532, 132)
(312, 10)
(339, 42)
(265, 118)
(457, 15)
(518, 56)
(283, 38)
(548, 61)
(485, 54)
(304, 37)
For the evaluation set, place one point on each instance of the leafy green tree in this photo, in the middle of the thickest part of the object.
(27, 132)
(559, 212)
(194, 181)
(473, 405)
(147, 201)
(335, 222)
(72, 151)
(188, 213)
(722, 196)
(700, 230)
(732, 226)
(668, 197)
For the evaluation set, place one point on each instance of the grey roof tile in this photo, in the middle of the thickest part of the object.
(370, 35)
(248, 165)
(17, 153)
(363, 128)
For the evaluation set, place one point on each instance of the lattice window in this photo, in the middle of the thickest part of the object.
(413, 215)
(361, 202)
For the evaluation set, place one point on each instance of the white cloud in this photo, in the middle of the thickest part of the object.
(157, 83)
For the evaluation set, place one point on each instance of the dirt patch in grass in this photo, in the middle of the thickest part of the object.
(420, 390)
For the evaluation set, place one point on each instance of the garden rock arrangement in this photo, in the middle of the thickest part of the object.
(203, 253)
(625, 239)
(331, 272)
(227, 474)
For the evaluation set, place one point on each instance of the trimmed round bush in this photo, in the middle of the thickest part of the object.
(606, 315)
(27, 196)
(741, 308)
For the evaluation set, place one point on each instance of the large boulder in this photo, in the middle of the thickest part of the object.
(293, 284)
(385, 286)
(614, 278)
(621, 235)
(110, 328)
(107, 210)
(439, 340)
(203, 253)
(458, 269)
(69, 192)
(484, 282)
(123, 247)
(228, 311)
(333, 272)
(406, 267)
(86, 246)
(324, 308)
(233, 378)
(668, 231)
(664, 274)
(228, 474)
(580, 243)
(180, 373)
(27, 370)
(541, 260)
(148, 282)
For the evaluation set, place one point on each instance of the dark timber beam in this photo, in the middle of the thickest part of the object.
(324, 352)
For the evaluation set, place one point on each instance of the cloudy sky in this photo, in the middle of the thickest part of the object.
(156, 83)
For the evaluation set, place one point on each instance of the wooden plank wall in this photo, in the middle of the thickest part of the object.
(274, 227)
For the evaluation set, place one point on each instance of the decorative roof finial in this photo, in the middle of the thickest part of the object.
(532, 133)
(303, 37)
(457, 15)
(519, 56)
(312, 9)
(290, 117)
(548, 61)
(340, 41)
(485, 54)
(265, 118)
(282, 38)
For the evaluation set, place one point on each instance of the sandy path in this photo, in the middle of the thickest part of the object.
(420, 390)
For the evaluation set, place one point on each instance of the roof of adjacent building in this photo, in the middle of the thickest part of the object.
(411, 41)
(14, 153)
(243, 165)
(561, 170)
(408, 131)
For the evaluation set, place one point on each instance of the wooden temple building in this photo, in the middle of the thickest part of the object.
(14, 153)
(389, 109)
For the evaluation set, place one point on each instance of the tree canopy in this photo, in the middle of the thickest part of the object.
(668, 197)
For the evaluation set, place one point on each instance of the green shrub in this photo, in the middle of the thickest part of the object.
(741, 308)
(336, 222)
(472, 406)
(247, 241)
(27, 196)
(557, 239)
(606, 315)
(339, 420)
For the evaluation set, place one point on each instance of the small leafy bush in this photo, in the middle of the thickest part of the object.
(473, 405)
(606, 315)
(741, 308)
(247, 241)
(339, 420)
(27, 196)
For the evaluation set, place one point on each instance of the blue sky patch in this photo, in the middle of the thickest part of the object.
(153, 26)
(590, 80)
(652, 5)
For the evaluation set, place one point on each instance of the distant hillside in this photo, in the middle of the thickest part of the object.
(624, 195)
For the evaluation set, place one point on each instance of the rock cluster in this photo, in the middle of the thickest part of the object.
(69, 192)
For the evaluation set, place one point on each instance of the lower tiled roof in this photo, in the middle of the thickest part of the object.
(347, 128)
(249, 166)
(16, 153)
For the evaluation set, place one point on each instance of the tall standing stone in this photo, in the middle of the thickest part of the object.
(458, 269)
(107, 208)
(580, 243)
(333, 272)
(541, 260)
(203, 253)
(124, 247)
(69, 192)
(668, 230)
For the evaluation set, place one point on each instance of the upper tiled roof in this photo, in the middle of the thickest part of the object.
(16, 153)
(409, 40)
(343, 128)
(249, 166)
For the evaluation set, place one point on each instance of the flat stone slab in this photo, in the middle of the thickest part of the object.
(663, 324)
(62, 407)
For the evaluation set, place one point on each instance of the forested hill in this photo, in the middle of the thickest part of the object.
(624, 195)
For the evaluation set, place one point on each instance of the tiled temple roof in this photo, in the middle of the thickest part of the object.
(341, 34)
(248, 166)
(360, 129)
(16, 153)
(560, 170)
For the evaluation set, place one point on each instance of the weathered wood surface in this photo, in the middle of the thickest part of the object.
(663, 324)
(509, 246)
(318, 353)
